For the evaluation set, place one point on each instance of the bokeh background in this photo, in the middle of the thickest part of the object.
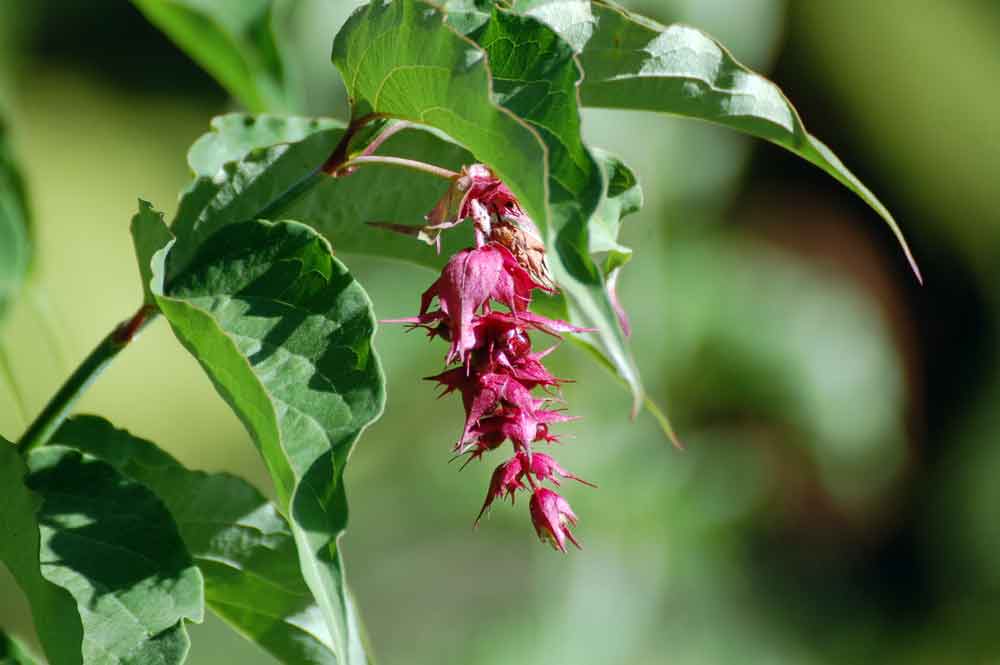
(837, 502)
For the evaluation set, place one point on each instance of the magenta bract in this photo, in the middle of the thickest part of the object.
(551, 515)
(494, 368)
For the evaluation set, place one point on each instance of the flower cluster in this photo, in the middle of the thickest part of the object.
(507, 392)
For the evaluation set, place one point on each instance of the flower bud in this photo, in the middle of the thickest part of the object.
(551, 515)
(506, 480)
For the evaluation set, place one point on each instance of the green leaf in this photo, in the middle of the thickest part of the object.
(149, 235)
(467, 16)
(15, 246)
(340, 208)
(53, 608)
(73, 524)
(13, 652)
(622, 197)
(400, 59)
(572, 19)
(239, 540)
(632, 62)
(285, 333)
(234, 41)
(244, 190)
(112, 544)
(236, 135)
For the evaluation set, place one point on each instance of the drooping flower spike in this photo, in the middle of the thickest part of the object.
(492, 364)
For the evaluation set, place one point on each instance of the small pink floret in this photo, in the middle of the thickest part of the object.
(552, 517)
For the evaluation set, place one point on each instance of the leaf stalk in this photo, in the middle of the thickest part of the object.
(40, 431)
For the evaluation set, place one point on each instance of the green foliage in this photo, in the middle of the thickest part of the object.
(634, 63)
(73, 524)
(245, 189)
(234, 40)
(13, 652)
(15, 246)
(400, 59)
(234, 136)
(622, 198)
(56, 619)
(103, 530)
(241, 543)
(284, 332)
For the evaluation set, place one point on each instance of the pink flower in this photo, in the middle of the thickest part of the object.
(471, 279)
(506, 480)
(497, 369)
(551, 515)
(477, 194)
(545, 468)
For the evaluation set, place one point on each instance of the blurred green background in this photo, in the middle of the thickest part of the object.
(837, 502)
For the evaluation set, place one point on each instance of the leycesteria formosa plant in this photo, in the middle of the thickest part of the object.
(462, 153)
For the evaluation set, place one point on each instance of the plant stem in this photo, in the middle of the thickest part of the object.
(401, 162)
(385, 136)
(55, 412)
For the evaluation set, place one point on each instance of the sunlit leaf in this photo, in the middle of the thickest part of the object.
(73, 524)
(242, 545)
(632, 62)
(53, 608)
(572, 19)
(285, 332)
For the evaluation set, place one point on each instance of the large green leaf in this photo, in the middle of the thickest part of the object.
(234, 41)
(13, 652)
(400, 59)
(15, 249)
(73, 524)
(242, 545)
(632, 62)
(53, 608)
(285, 333)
